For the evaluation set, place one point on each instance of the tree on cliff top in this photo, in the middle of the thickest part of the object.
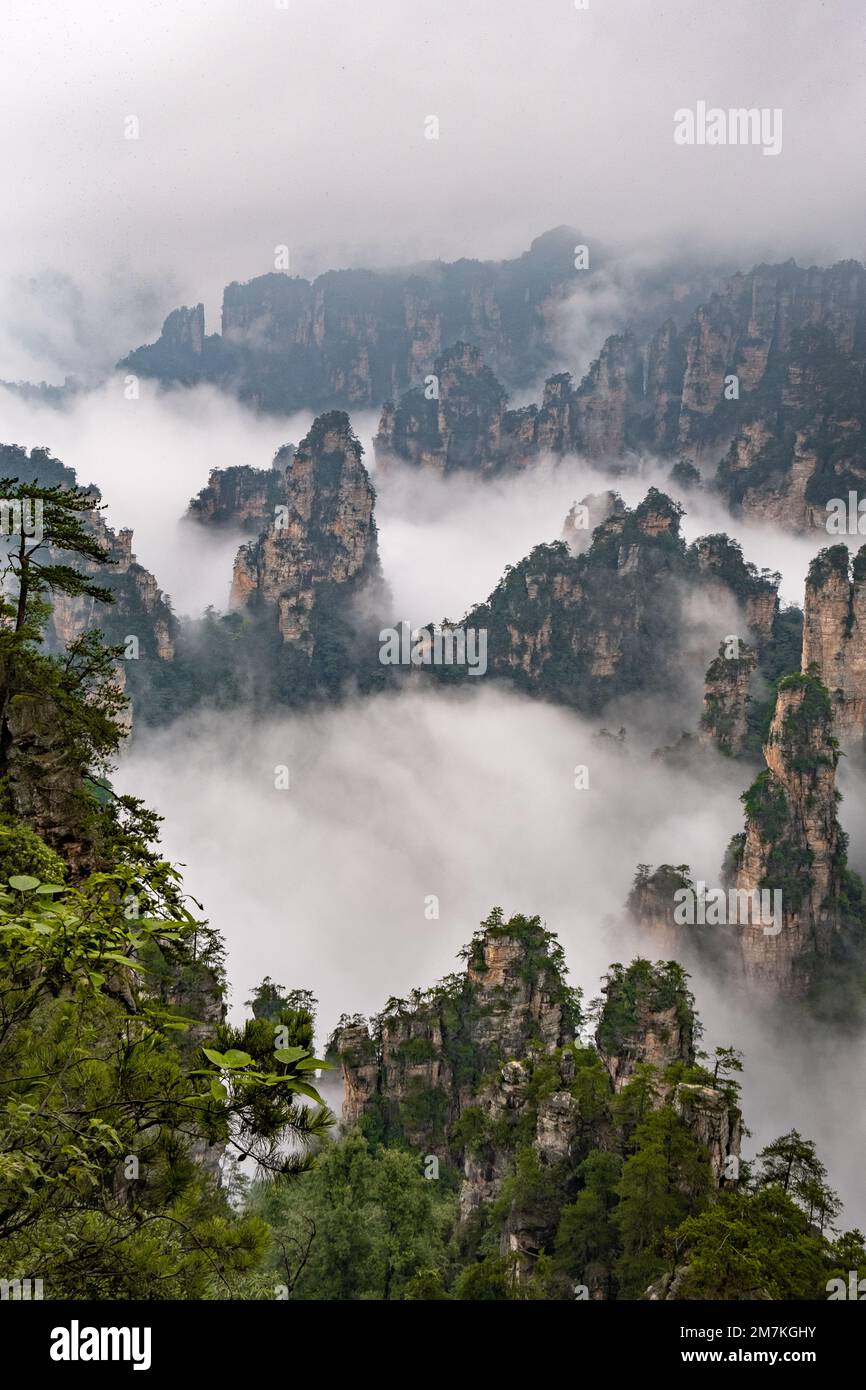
(53, 518)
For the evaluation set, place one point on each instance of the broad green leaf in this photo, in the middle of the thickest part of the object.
(289, 1054)
(216, 1057)
(218, 1090)
(304, 1089)
(235, 1058)
(23, 883)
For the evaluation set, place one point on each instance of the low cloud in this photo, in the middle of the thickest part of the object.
(470, 798)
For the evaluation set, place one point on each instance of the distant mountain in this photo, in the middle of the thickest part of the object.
(358, 337)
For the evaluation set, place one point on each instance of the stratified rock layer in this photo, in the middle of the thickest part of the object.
(792, 844)
(834, 634)
(322, 540)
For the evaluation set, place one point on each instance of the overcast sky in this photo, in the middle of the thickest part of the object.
(305, 126)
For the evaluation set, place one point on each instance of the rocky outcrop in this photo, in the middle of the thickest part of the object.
(43, 777)
(787, 914)
(719, 564)
(795, 340)
(724, 722)
(321, 547)
(484, 1068)
(465, 425)
(457, 421)
(716, 1124)
(834, 634)
(354, 338)
(243, 497)
(647, 1019)
(585, 515)
(651, 903)
(792, 845)
(763, 383)
(140, 609)
(586, 628)
(609, 401)
(583, 628)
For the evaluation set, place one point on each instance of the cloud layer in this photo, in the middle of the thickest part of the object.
(304, 125)
(470, 799)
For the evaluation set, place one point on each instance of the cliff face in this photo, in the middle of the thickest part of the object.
(243, 497)
(44, 777)
(792, 841)
(788, 433)
(834, 634)
(484, 1068)
(724, 722)
(609, 401)
(799, 349)
(464, 425)
(719, 563)
(788, 917)
(322, 542)
(585, 628)
(358, 337)
(469, 427)
(140, 608)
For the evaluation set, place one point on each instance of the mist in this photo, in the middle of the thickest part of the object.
(444, 542)
(261, 125)
(471, 799)
(149, 457)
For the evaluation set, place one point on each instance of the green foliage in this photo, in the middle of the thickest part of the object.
(587, 1233)
(22, 851)
(362, 1224)
(791, 1162)
(664, 1181)
(40, 563)
(750, 1246)
(640, 988)
(93, 1086)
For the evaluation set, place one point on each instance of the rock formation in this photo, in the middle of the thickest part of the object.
(651, 903)
(792, 843)
(586, 628)
(787, 916)
(243, 497)
(354, 338)
(140, 608)
(457, 422)
(322, 544)
(763, 382)
(834, 634)
(484, 1065)
(43, 778)
(724, 722)
(718, 562)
